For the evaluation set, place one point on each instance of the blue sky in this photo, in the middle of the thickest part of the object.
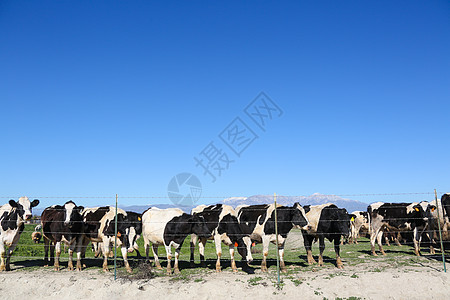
(109, 97)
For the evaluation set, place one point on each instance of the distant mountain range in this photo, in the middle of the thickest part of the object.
(314, 199)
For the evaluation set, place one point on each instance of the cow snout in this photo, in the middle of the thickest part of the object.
(249, 259)
(307, 227)
(27, 217)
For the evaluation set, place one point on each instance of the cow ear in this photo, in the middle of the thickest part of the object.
(80, 208)
(35, 203)
(13, 203)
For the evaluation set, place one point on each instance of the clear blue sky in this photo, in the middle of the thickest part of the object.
(107, 97)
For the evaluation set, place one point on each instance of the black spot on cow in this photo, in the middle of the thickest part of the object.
(248, 217)
(180, 227)
(333, 223)
(287, 218)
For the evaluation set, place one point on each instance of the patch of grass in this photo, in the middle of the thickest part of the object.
(255, 280)
(354, 276)
(297, 282)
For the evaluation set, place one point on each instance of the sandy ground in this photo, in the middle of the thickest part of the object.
(409, 282)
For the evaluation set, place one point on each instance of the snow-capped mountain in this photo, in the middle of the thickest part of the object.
(314, 199)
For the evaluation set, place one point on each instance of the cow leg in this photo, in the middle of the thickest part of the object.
(201, 250)
(339, 263)
(155, 256)
(233, 261)
(97, 249)
(322, 248)
(52, 252)
(218, 244)
(124, 251)
(379, 238)
(10, 251)
(432, 251)
(281, 255)
(81, 246)
(386, 239)
(169, 258)
(136, 248)
(46, 246)
(147, 248)
(57, 254)
(397, 239)
(105, 250)
(176, 270)
(373, 237)
(307, 241)
(265, 242)
(2, 257)
(71, 250)
(417, 240)
(194, 239)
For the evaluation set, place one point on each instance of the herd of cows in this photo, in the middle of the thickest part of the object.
(240, 227)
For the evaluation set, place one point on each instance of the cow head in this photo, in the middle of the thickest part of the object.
(416, 214)
(72, 215)
(343, 221)
(299, 217)
(198, 226)
(23, 207)
(230, 225)
(133, 229)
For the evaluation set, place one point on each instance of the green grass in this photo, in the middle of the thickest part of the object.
(29, 256)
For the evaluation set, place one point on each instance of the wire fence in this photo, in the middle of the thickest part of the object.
(293, 243)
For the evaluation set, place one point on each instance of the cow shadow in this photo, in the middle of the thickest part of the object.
(437, 257)
(29, 263)
(326, 259)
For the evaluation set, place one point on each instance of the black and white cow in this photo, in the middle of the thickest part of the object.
(99, 226)
(438, 219)
(134, 224)
(327, 221)
(258, 222)
(61, 223)
(359, 221)
(223, 227)
(169, 227)
(395, 217)
(12, 222)
(445, 201)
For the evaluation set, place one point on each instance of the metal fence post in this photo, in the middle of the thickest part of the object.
(276, 236)
(115, 243)
(440, 233)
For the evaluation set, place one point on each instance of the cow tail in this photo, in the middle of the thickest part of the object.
(369, 213)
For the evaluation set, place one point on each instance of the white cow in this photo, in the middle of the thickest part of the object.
(169, 227)
(12, 218)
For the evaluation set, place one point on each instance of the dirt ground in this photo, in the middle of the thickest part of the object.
(422, 280)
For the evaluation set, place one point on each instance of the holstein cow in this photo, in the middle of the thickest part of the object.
(433, 225)
(445, 201)
(327, 221)
(37, 235)
(223, 227)
(258, 221)
(99, 226)
(133, 228)
(12, 218)
(169, 227)
(395, 217)
(61, 223)
(359, 222)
